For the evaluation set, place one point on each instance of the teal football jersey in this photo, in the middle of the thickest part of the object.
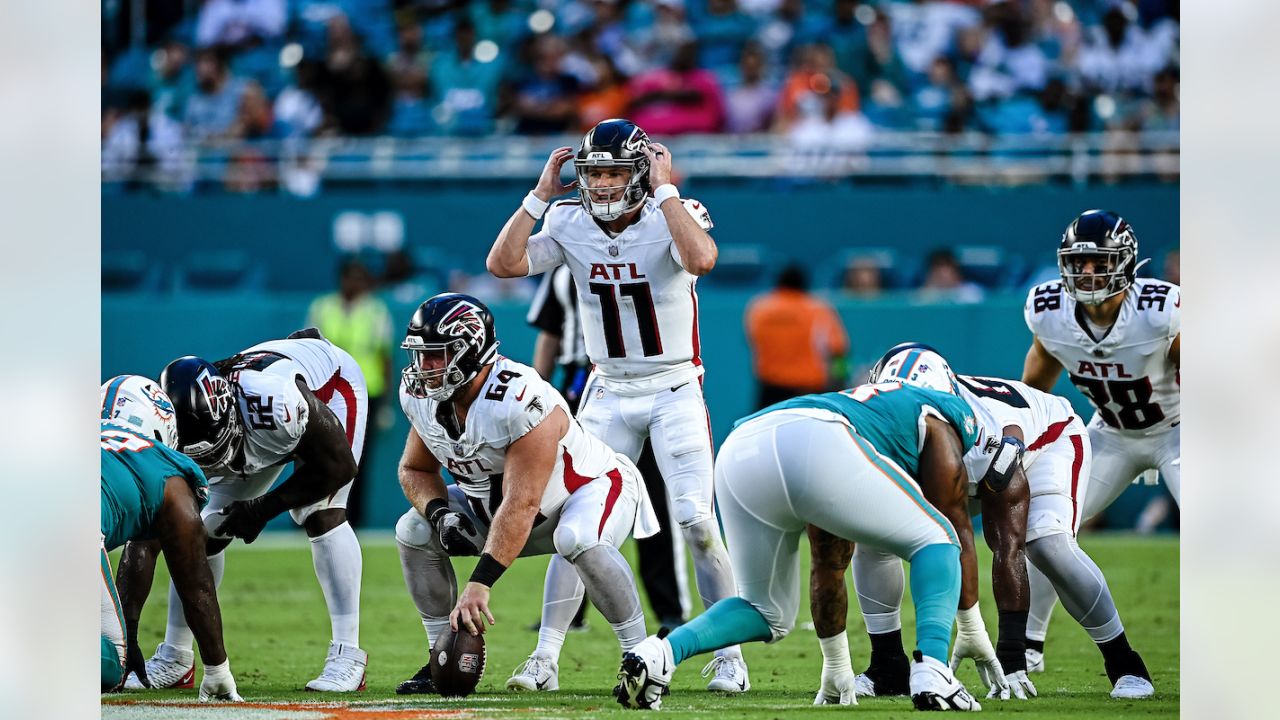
(890, 416)
(134, 472)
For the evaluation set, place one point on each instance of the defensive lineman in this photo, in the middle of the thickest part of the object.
(635, 260)
(299, 400)
(151, 491)
(859, 464)
(1118, 336)
(529, 481)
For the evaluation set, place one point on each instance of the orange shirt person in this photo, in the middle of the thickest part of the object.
(798, 343)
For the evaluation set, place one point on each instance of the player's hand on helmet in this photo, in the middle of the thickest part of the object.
(836, 688)
(972, 642)
(1017, 685)
(246, 518)
(549, 185)
(659, 163)
(472, 609)
(134, 661)
(458, 535)
(218, 685)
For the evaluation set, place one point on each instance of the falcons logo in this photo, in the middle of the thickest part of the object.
(535, 406)
(463, 321)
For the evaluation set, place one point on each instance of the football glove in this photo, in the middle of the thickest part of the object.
(972, 642)
(218, 685)
(458, 535)
(836, 688)
(134, 661)
(1017, 685)
(246, 518)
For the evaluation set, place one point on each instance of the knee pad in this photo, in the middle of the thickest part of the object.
(1041, 551)
(570, 542)
(414, 531)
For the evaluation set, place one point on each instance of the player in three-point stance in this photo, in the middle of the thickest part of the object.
(1118, 337)
(242, 419)
(152, 492)
(529, 481)
(879, 463)
(635, 260)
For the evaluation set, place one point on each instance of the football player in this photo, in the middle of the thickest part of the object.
(635, 259)
(1056, 464)
(529, 481)
(300, 400)
(1118, 337)
(880, 463)
(150, 491)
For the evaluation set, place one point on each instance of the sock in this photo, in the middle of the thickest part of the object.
(1011, 644)
(630, 632)
(1043, 598)
(935, 588)
(886, 646)
(729, 622)
(339, 566)
(612, 588)
(176, 632)
(561, 597)
(1120, 659)
(1037, 645)
(435, 627)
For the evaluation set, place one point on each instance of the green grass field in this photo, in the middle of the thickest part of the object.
(277, 631)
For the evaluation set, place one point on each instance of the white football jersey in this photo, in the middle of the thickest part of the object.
(514, 400)
(997, 403)
(1126, 373)
(638, 305)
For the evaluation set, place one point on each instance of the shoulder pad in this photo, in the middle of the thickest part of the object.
(1159, 303)
(1043, 299)
(520, 398)
(698, 212)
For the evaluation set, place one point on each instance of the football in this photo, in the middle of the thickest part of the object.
(457, 663)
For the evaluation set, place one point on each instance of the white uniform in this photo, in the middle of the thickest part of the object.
(639, 312)
(595, 495)
(1057, 457)
(275, 416)
(1127, 376)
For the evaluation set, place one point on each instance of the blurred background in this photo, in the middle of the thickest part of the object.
(273, 163)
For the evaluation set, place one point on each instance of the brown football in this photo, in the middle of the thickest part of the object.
(457, 662)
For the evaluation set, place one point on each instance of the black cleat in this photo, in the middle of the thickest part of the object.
(419, 684)
(891, 676)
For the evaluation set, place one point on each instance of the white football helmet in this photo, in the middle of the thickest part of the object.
(139, 403)
(916, 364)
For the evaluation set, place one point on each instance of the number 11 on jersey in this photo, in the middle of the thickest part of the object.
(646, 318)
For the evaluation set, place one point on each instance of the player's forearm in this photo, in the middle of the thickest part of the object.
(510, 530)
(828, 596)
(135, 577)
(508, 257)
(698, 251)
(421, 487)
(968, 563)
(184, 552)
(1005, 530)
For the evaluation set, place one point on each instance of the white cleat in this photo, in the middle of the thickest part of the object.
(1132, 687)
(538, 673)
(934, 687)
(170, 667)
(730, 674)
(344, 670)
(863, 686)
(645, 674)
(1035, 661)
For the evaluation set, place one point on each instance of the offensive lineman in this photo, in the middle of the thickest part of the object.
(150, 491)
(529, 481)
(635, 261)
(1056, 463)
(299, 400)
(859, 464)
(1118, 337)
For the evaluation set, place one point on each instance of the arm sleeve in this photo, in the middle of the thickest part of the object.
(543, 252)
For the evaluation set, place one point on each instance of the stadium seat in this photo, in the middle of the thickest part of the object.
(897, 270)
(991, 266)
(130, 272)
(224, 271)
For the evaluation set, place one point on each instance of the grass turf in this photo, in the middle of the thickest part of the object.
(277, 632)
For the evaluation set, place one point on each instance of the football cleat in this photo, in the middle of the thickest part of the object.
(536, 674)
(170, 667)
(934, 687)
(887, 677)
(645, 674)
(344, 670)
(730, 674)
(420, 684)
(1035, 661)
(863, 685)
(1132, 687)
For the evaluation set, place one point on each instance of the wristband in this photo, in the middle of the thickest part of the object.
(487, 571)
(1011, 646)
(969, 620)
(835, 652)
(535, 205)
(434, 507)
(221, 671)
(663, 192)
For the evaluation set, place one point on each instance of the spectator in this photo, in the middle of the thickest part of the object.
(212, 109)
(931, 103)
(827, 138)
(1117, 57)
(464, 84)
(679, 99)
(1008, 63)
(142, 146)
(1162, 111)
(862, 279)
(297, 108)
(544, 100)
(172, 78)
(356, 320)
(357, 89)
(255, 119)
(876, 66)
(607, 97)
(500, 21)
(926, 29)
(723, 32)
(750, 102)
(239, 22)
(798, 344)
(814, 76)
(944, 281)
(659, 44)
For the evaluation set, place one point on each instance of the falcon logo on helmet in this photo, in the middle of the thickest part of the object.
(209, 427)
(463, 321)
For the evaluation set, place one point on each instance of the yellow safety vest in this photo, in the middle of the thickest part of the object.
(362, 329)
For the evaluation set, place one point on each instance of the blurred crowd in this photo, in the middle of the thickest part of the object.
(822, 72)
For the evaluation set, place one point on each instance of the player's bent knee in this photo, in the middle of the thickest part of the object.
(570, 541)
(413, 530)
